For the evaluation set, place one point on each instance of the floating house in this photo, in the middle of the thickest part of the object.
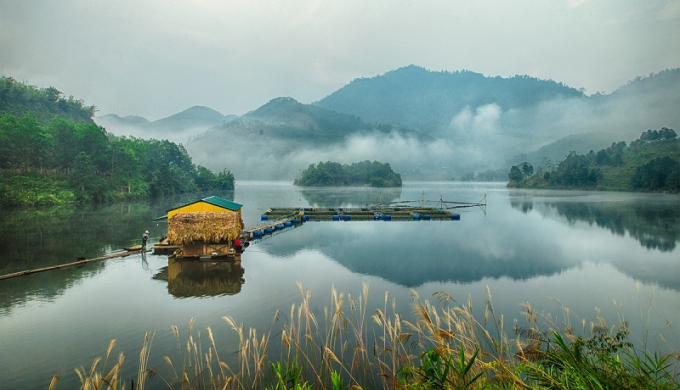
(203, 229)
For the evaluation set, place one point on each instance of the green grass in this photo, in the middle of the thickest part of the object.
(444, 347)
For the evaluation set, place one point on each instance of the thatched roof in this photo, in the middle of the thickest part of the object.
(209, 227)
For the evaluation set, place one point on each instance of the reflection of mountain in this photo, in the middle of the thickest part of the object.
(413, 253)
(202, 278)
(349, 197)
(656, 225)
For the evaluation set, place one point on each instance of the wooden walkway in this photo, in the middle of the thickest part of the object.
(75, 263)
(287, 217)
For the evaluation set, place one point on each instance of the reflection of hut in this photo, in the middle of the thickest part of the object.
(205, 228)
(202, 278)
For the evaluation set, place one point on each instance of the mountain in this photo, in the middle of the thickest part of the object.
(424, 100)
(425, 124)
(130, 120)
(176, 128)
(284, 136)
(194, 117)
(492, 119)
(560, 149)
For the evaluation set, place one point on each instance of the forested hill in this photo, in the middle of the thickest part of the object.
(292, 118)
(44, 103)
(47, 159)
(424, 100)
(650, 163)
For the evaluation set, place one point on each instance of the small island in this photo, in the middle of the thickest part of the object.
(365, 173)
(649, 164)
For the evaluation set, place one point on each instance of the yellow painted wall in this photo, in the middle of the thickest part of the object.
(200, 207)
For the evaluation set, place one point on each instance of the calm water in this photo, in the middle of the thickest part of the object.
(611, 252)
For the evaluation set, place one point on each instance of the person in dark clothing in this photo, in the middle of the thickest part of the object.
(145, 238)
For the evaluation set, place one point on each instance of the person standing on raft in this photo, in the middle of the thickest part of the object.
(145, 238)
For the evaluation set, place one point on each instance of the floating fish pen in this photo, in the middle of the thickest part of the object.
(402, 210)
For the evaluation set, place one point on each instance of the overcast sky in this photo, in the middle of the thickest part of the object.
(154, 58)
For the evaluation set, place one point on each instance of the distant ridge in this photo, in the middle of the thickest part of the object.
(177, 127)
(424, 100)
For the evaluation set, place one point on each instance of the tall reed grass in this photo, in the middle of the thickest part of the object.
(441, 345)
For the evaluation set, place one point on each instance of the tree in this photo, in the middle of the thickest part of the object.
(515, 174)
(527, 169)
(661, 173)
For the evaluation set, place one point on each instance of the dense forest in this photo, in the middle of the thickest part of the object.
(52, 153)
(374, 174)
(650, 163)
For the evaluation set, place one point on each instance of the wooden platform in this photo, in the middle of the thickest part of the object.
(201, 252)
(163, 248)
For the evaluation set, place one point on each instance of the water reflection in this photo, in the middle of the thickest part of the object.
(349, 197)
(31, 239)
(654, 224)
(414, 253)
(202, 278)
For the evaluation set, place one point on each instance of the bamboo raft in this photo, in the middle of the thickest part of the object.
(127, 252)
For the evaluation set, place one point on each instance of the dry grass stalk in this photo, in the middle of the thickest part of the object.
(208, 227)
(340, 348)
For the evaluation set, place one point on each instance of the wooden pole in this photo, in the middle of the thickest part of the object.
(79, 262)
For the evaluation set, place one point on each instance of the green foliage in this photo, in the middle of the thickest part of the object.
(337, 382)
(651, 163)
(604, 361)
(515, 174)
(660, 174)
(34, 190)
(439, 370)
(65, 161)
(374, 174)
(52, 153)
(288, 378)
(20, 99)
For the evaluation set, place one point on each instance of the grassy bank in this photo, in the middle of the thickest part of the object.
(443, 347)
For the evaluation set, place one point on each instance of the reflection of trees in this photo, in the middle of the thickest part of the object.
(202, 278)
(39, 238)
(43, 286)
(656, 225)
(349, 197)
(31, 239)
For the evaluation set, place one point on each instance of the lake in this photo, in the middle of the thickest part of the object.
(593, 252)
